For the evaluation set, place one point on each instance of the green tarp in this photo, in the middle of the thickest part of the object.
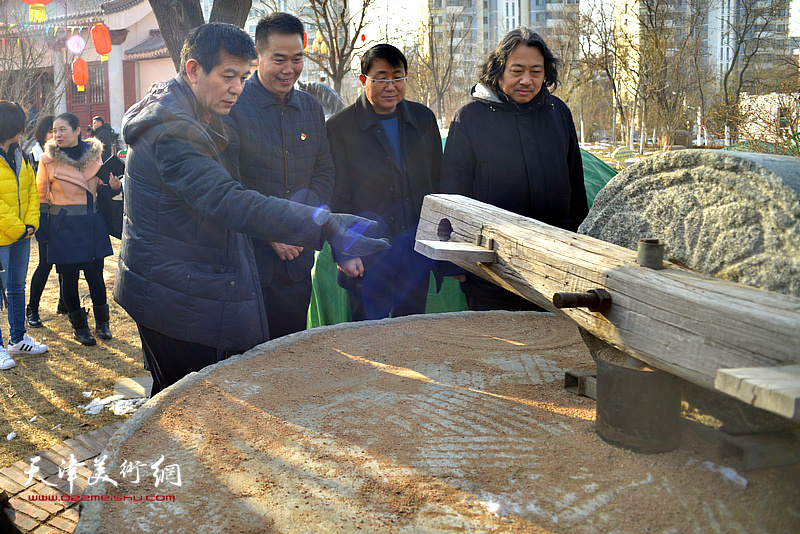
(329, 301)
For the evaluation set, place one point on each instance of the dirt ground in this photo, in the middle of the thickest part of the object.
(453, 424)
(49, 387)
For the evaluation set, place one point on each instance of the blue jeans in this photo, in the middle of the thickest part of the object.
(14, 258)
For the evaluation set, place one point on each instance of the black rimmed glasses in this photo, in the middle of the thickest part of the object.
(398, 82)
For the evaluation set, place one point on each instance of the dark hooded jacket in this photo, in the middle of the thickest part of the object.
(524, 159)
(186, 266)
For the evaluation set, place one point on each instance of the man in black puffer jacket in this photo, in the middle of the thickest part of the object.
(515, 147)
(187, 274)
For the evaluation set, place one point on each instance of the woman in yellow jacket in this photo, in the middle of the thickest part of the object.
(19, 218)
(77, 239)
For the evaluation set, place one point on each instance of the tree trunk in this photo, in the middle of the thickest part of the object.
(337, 84)
(231, 11)
(177, 17)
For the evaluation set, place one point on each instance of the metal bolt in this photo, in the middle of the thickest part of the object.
(597, 300)
(650, 253)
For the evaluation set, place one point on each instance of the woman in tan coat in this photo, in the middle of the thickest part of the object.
(77, 239)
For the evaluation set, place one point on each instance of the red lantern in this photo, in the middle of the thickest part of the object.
(305, 41)
(363, 37)
(101, 40)
(80, 73)
(36, 11)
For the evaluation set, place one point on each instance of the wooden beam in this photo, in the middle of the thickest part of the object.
(447, 250)
(682, 322)
(776, 389)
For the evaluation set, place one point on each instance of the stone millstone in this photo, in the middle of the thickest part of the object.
(731, 215)
(438, 423)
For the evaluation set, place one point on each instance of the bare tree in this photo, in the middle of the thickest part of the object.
(341, 23)
(442, 57)
(663, 64)
(748, 36)
(604, 53)
(26, 73)
(771, 122)
(177, 17)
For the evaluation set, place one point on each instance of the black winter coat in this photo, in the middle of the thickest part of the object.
(282, 152)
(186, 266)
(493, 142)
(105, 136)
(367, 175)
(525, 159)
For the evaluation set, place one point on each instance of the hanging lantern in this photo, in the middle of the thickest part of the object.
(363, 37)
(80, 73)
(76, 44)
(36, 11)
(305, 41)
(101, 40)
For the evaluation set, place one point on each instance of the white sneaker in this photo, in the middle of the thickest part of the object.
(27, 346)
(6, 362)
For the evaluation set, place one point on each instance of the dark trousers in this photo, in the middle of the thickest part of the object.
(286, 302)
(393, 284)
(39, 277)
(93, 273)
(169, 359)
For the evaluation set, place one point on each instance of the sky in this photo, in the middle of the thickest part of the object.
(397, 20)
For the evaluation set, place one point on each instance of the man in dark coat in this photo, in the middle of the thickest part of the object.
(387, 154)
(187, 274)
(515, 146)
(279, 138)
(101, 131)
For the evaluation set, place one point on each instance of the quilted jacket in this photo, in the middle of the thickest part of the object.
(186, 266)
(19, 203)
(284, 153)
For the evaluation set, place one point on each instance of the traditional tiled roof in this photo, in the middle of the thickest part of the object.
(152, 47)
(116, 6)
(73, 12)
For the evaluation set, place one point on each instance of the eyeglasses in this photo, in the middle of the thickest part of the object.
(398, 82)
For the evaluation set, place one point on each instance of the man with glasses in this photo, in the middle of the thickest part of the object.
(387, 153)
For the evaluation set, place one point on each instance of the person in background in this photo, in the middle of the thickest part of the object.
(387, 153)
(43, 133)
(19, 218)
(77, 238)
(279, 138)
(514, 146)
(101, 131)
